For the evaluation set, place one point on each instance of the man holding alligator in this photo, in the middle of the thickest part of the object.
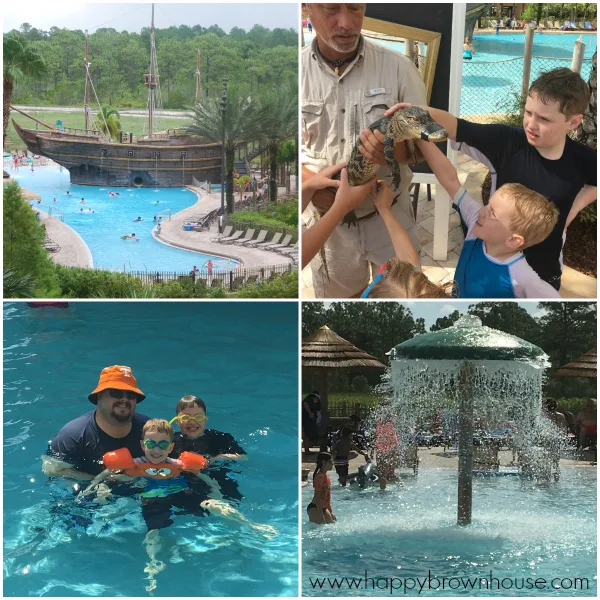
(348, 82)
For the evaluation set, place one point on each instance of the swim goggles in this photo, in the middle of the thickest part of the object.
(375, 281)
(200, 419)
(163, 444)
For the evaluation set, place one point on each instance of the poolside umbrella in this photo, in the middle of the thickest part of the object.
(481, 368)
(584, 366)
(324, 351)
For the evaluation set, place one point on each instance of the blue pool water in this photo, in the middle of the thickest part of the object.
(520, 529)
(112, 218)
(218, 351)
(486, 83)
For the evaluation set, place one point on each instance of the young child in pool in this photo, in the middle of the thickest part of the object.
(341, 451)
(166, 488)
(319, 510)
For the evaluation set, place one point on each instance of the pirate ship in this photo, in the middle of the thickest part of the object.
(170, 158)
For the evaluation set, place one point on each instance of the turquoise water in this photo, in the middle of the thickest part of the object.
(519, 529)
(113, 217)
(486, 87)
(487, 84)
(52, 359)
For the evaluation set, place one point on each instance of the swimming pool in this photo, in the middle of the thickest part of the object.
(487, 82)
(52, 357)
(519, 529)
(113, 217)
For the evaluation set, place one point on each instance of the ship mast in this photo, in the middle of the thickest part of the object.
(151, 79)
(86, 108)
(198, 82)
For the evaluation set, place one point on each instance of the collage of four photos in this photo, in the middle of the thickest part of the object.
(346, 257)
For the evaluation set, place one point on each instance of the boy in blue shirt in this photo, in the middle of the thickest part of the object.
(491, 263)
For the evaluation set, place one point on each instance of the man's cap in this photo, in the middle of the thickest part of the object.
(119, 378)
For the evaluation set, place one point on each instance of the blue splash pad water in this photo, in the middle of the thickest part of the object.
(519, 529)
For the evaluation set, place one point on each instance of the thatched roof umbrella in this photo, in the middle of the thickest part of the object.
(584, 366)
(325, 350)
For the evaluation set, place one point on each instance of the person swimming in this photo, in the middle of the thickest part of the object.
(137, 220)
(468, 49)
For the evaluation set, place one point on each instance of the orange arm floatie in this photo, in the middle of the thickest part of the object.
(192, 462)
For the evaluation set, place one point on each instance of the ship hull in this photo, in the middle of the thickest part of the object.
(173, 161)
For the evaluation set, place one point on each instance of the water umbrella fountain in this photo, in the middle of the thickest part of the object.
(475, 369)
(324, 351)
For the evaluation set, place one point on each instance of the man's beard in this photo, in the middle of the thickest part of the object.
(343, 49)
(122, 418)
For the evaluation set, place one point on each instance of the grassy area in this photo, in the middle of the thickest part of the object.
(133, 124)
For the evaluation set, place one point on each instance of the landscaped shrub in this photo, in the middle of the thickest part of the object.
(285, 286)
(91, 283)
(360, 384)
(23, 245)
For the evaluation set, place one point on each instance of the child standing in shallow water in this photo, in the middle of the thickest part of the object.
(319, 510)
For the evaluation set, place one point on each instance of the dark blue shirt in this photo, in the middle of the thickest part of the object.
(211, 443)
(83, 444)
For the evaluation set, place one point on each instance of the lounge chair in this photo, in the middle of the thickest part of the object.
(284, 244)
(237, 282)
(249, 235)
(289, 250)
(216, 283)
(556, 25)
(232, 238)
(261, 238)
(274, 240)
(587, 25)
(251, 279)
(274, 275)
(514, 24)
(493, 24)
(580, 25)
(225, 233)
(51, 245)
(200, 281)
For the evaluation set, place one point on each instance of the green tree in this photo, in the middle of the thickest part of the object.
(107, 121)
(508, 317)
(313, 317)
(21, 59)
(282, 104)
(444, 322)
(23, 245)
(243, 121)
(17, 286)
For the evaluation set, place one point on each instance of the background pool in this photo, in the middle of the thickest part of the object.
(488, 85)
(486, 88)
(219, 351)
(113, 217)
(519, 529)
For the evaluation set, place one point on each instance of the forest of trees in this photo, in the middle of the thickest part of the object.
(565, 330)
(261, 58)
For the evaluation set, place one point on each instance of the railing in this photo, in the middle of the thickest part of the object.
(93, 132)
(60, 214)
(345, 409)
(490, 89)
(167, 211)
(227, 279)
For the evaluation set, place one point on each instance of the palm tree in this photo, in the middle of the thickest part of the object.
(283, 106)
(17, 286)
(107, 121)
(21, 59)
(586, 133)
(244, 121)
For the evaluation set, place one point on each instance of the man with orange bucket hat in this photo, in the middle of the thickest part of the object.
(78, 448)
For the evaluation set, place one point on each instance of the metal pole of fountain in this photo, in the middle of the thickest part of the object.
(465, 446)
(471, 367)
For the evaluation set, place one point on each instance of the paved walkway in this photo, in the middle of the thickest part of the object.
(73, 252)
(471, 174)
(173, 234)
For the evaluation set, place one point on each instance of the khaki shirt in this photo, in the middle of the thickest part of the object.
(335, 109)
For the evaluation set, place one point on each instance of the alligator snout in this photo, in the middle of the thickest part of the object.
(432, 132)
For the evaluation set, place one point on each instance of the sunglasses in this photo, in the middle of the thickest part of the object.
(163, 444)
(189, 418)
(118, 394)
